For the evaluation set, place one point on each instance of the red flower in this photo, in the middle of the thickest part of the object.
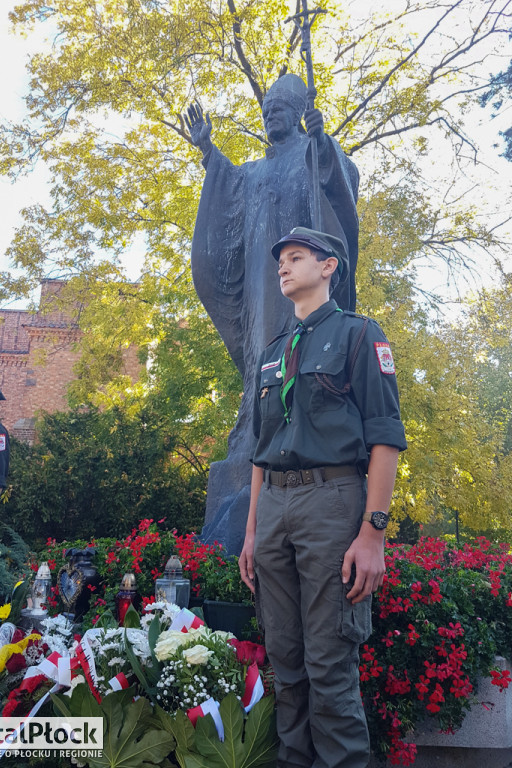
(16, 663)
(247, 652)
(501, 678)
(147, 601)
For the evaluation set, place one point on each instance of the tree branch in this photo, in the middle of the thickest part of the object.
(246, 67)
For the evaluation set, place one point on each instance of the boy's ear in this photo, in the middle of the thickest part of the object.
(330, 265)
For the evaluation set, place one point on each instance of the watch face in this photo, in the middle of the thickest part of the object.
(379, 520)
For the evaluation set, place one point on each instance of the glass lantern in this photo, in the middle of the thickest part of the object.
(172, 587)
(127, 596)
(41, 590)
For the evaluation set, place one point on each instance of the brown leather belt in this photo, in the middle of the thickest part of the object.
(294, 477)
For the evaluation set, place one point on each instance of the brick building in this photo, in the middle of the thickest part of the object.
(36, 361)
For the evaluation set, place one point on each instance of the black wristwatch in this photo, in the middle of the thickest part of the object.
(379, 520)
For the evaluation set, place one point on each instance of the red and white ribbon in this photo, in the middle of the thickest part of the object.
(119, 682)
(253, 687)
(186, 620)
(85, 656)
(208, 707)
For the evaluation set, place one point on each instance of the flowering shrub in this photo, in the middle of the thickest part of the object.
(143, 552)
(213, 573)
(435, 632)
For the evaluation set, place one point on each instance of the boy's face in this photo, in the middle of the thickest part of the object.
(300, 273)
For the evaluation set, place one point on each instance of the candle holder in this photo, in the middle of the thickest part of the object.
(172, 587)
(127, 596)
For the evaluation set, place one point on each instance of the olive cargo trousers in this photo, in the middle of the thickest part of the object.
(312, 632)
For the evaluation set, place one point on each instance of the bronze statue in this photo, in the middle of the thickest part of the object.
(244, 210)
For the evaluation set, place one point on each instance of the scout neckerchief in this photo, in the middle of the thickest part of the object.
(289, 368)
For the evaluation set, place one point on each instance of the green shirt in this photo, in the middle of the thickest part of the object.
(326, 428)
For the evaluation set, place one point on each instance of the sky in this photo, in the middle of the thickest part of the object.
(496, 178)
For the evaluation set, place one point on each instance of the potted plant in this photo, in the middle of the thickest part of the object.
(228, 604)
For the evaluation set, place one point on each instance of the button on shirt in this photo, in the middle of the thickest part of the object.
(326, 428)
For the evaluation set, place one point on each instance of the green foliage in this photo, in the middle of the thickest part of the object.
(98, 473)
(249, 740)
(219, 577)
(104, 113)
(13, 558)
(19, 601)
(135, 739)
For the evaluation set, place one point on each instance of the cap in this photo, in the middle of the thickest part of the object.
(291, 89)
(329, 244)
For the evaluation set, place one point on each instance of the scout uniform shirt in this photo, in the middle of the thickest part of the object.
(4, 456)
(326, 427)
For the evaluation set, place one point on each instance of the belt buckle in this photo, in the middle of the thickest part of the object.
(292, 479)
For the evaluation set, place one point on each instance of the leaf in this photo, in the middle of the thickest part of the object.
(107, 620)
(19, 597)
(230, 752)
(131, 619)
(137, 667)
(131, 739)
(261, 740)
(153, 634)
(179, 725)
(81, 703)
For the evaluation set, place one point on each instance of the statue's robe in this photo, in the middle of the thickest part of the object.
(243, 211)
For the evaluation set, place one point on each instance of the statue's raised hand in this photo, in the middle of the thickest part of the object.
(200, 129)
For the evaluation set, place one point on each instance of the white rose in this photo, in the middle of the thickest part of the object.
(169, 642)
(224, 635)
(197, 632)
(197, 654)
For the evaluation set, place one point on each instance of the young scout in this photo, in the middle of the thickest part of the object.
(326, 416)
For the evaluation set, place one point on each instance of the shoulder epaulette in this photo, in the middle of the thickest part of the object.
(354, 314)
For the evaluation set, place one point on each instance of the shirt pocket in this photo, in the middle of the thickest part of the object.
(271, 406)
(325, 374)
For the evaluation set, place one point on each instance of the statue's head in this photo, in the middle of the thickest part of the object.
(283, 107)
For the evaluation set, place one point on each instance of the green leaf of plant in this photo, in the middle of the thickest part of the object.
(19, 598)
(131, 740)
(230, 752)
(81, 703)
(137, 667)
(261, 740)
(153, 634)
(131, 619)
(107, 620)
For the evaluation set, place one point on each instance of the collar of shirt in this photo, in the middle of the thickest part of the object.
(316, 317)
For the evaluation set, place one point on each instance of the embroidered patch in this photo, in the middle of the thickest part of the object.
(2, 443)
(270, 365)
(384, 356)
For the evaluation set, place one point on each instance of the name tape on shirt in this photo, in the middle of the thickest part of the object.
(384, 356)
(2, 443)
(270, 365)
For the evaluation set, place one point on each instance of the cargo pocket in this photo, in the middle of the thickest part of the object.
(355, 621)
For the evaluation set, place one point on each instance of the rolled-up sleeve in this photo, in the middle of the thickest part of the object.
(375, 391)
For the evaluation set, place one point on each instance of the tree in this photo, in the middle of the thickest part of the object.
(131, 68)
(98, 474)
(105, 111)
(500, 92)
